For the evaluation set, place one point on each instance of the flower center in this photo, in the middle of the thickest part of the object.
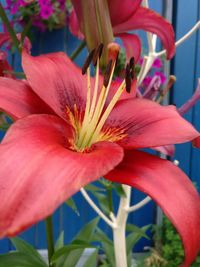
(97, 109)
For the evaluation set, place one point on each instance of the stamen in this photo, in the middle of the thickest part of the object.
(132, 67)
(107, 73)
(88, 61)
(97, 53)
(132, 62)
(107, 112)
(128, 78)
(88, 117)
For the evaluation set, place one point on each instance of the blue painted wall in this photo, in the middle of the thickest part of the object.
(185, 66)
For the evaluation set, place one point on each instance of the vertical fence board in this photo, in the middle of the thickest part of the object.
(183, 68)
(195, 157)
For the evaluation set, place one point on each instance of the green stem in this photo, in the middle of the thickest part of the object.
(9, 28)
(50, 240)
(76, 52)
(26, 30)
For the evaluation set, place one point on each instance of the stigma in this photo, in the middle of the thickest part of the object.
(98, 109)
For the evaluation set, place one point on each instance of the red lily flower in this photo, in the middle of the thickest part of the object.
(125, 16)
(68, 134)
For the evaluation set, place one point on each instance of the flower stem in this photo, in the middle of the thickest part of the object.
(76, 52)
(50, 241)
(119, 233)
(9, 28)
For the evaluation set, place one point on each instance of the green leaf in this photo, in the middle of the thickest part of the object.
(62, 251)
(60, 241)
(134, 237)
(72, 257)
(87, 231)
(107, 245)
(92, 259)
(91, 188)
(119, 190)
(28, 250)
(99, 235)
(138, 230)
(71, 203)
(18, 259)
(103, 201)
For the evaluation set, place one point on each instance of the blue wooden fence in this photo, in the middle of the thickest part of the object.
(186, 67)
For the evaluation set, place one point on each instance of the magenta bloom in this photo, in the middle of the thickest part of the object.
(70, 130)
(46, 9)
(125, 16)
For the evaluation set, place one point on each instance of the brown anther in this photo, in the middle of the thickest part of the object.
(132, 67)
(97, 53)
(128, 78)
(107, 73)
(132, 62)
(88, 61)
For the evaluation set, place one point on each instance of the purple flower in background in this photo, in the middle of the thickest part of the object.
(62, 4)
(141, 61)
(162, 76)
(46, 9)
(44, 2)
(39, 24)
(157, 63)
(147, 81)
(14, 8)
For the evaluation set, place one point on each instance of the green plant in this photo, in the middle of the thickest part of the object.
(168, 250)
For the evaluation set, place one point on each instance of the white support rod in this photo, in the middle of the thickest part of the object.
(139, 205)
(98, 211)
(119, 233)
(146, 66)
(182, 39)
(145, 3)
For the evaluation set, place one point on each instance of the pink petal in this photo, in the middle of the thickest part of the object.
(196, 142)
(18, 100)
(168, 150)
(170, 188)
(121, 11)
(56, 80)
(148, 20)
(132, 45)
(38, 172)
(149, 124)
(115, 85)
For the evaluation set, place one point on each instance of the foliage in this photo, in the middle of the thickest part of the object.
(168, 250)
(49, 14)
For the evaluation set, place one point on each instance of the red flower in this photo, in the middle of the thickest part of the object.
(63, 140)
(125, 16)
